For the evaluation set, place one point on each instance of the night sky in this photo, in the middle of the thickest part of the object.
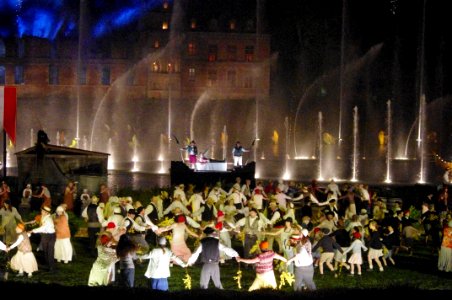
(312, 39)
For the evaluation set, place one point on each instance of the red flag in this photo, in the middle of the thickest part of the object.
(8, 108)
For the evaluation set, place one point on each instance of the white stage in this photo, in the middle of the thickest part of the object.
(212, 166)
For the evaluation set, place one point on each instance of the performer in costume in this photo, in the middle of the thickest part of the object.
(192, 150)
(237, 153)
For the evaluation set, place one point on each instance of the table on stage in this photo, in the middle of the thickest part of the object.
(212, 166)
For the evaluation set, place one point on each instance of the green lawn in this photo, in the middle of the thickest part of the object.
(418, 271)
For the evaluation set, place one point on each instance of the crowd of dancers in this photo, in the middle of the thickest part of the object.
(304, 226)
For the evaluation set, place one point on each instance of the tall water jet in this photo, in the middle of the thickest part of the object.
(32, 137)
(286, 175)
(388, 141)
(341, 75)
(224, 141)
(111, 158)
(421, 139)
(355, 154)
(57, 138)
(320, 176)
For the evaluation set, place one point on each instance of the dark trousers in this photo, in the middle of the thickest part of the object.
(127, 277)
(92, 237)
(48, 248)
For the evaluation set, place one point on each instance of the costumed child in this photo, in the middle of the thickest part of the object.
(265, 276)
(159, 262)
(356, 259)
(24, 260)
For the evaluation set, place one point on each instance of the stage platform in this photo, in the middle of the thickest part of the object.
(210, 173)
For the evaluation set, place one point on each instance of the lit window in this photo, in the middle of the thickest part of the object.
(19, 74)
(53, 75)
(191, 49)
(232, 25)
(155, 66)
(156, 44)
(193, 24)
(2, 75)
(169, 68)
(213, 51)
(105, 80)
(211, 78)
(165, 5)
(191, 74)
(249, 53)
(165, 25)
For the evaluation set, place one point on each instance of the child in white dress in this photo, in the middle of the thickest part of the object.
(356, 258)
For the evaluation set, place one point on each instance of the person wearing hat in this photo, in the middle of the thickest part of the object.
(179, 193)
(363, 217)
(63, 246)
(303, 261)
(253, 226)
(24, 260)
(133, 230)
(328, 244)
(356, 258)
(176, 203)
(158, 270)
(48, 237)
(237, 153)
(85, 200)
(265, 277)
(238, 196)
(209, 249)
(143, 220)
(207, 211)
(93, 214)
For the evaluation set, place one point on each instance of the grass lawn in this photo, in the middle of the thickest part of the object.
(417, 272)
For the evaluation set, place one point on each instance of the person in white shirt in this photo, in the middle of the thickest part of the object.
(304, 270)
(179, 193)
(158, 269)
(333, 187)
(210, 248)
(48, 237)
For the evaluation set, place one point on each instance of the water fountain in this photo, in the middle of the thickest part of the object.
(421, 139)
(355, 155)
(320, 139)
(388, 142)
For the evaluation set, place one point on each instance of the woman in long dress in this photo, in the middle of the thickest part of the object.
(63, 246)
(9, 216)
(178, 245)
(24, 260)
(102, 271)
(445, 254)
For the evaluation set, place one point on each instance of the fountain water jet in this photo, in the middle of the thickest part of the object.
(421, 139)
(388, 142)
(320, 176)
(355, 156)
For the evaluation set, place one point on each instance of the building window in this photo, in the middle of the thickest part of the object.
(156, 44)
(105, 79)
(248, 82)
(155, 66)
(249, 53)
(165, 25)
(232, 25)
(53, 75)
(170, 68)
(2, 75)
(82, 75)
(165, 5)
(20, 48)
(191, 49)
(2, 49)
(193, 24)
(232, 53)
(211, 78)
(213, 52)
(191, 74)
(19, 74)
(231, 78)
